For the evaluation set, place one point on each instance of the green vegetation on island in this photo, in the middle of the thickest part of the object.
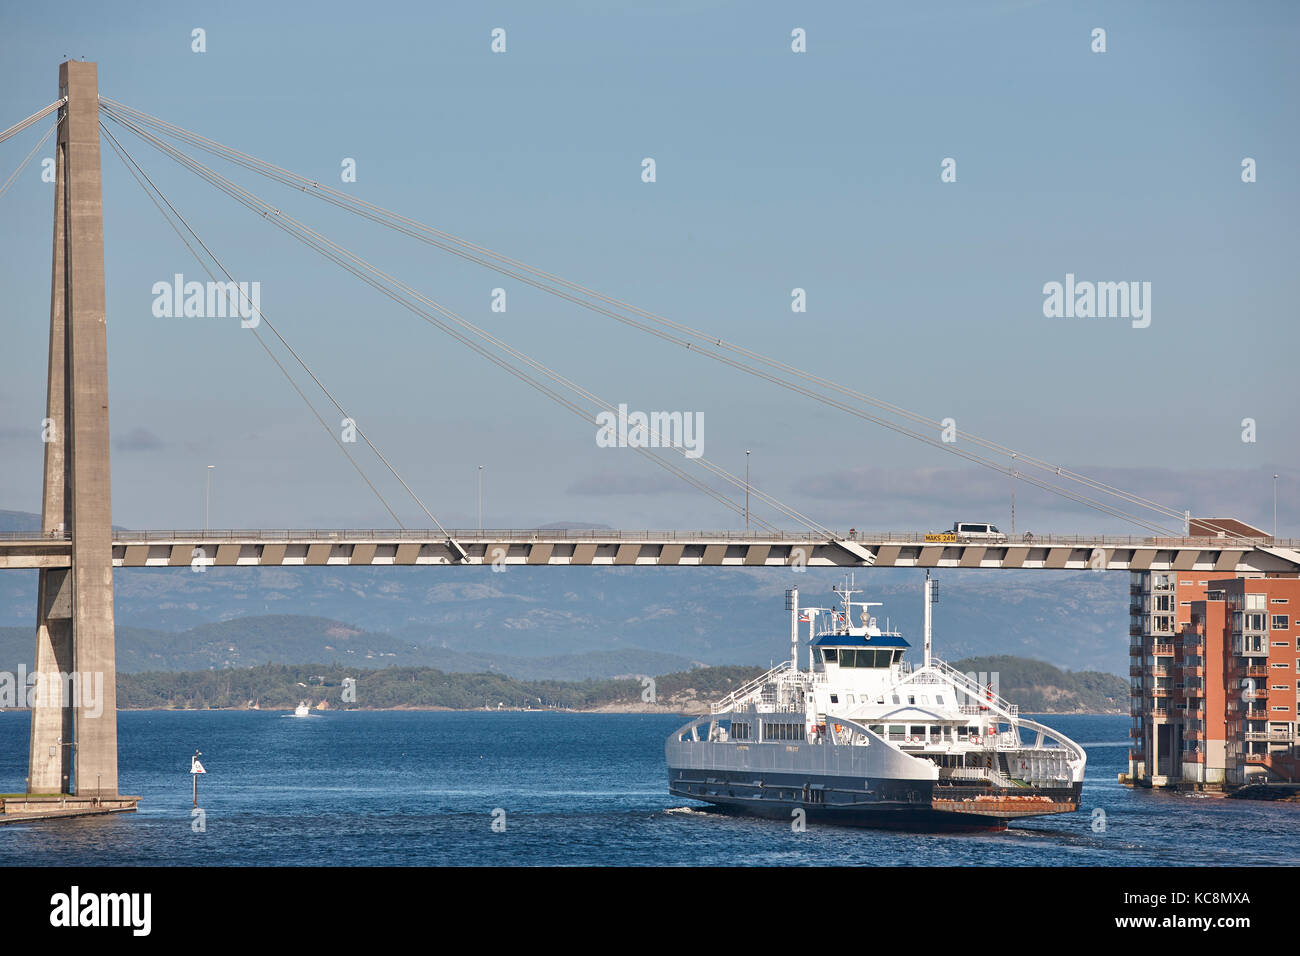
(1035, 686)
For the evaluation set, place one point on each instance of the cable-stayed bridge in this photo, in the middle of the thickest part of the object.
(74, 749)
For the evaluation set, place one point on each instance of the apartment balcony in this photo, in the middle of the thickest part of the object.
(1193, 756)
(1160, 670)
(1164, 649)
(1160, 692)
(1254, 670)
(1136, 670)
(1256, 758)
(1135, 630)
(1192, 670)
(1193, 735)
(1277, 736)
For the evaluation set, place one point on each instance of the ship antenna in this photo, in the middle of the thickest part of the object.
(792, 604)
(928, 602)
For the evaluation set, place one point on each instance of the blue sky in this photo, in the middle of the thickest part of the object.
(775, 170)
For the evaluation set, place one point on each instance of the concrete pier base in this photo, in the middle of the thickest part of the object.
(25, 808)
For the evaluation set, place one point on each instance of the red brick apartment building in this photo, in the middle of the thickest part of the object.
(1214, 666)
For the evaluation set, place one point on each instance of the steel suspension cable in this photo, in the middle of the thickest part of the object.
(270, 211)
(338, 254)
(137, 172)
(34, 118)
(23, 165)
(420, 231)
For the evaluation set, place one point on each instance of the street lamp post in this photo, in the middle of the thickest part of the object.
(480, 497)
(1013, 494)
(207, 499)
(1275, 507)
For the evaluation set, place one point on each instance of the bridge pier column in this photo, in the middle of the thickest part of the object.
(74, 715)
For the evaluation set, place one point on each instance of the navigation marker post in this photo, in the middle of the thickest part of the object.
(196, 768)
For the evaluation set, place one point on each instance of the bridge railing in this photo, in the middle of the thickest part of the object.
(525, 535)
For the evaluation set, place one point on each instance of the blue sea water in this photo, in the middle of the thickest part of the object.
(421, 788)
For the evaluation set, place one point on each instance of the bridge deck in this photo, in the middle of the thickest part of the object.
(318, 548)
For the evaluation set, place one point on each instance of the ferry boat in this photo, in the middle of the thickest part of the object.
(862, 738)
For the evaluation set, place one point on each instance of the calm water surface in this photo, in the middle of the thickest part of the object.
(420, 788)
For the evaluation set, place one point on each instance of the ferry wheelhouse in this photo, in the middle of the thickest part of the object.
(862, 737)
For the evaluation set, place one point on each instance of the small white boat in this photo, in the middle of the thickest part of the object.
(302, 710)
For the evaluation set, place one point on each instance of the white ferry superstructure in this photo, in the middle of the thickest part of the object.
(860, 737)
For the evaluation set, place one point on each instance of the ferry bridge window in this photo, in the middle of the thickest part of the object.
(835, 698)
(897, 732)
(896, 699)
(829, 655)
(914, 731)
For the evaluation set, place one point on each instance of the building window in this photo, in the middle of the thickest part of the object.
(1255, 602)
(1280, 622)
(1280, 664)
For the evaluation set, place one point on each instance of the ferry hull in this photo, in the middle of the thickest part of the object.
(888, 804)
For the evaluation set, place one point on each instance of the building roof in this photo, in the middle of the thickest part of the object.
(1231, 527)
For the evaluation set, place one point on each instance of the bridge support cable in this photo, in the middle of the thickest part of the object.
(269, 211)
(34, 118)
(141, 179)
(403, 294)
(575, 293)
(27, 159)
(383, 282)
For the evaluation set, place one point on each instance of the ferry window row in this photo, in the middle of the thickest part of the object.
(739, 730)
(918, 731)
(783, 731)
(872, 657)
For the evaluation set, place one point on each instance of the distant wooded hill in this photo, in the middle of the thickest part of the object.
(1034, 686)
